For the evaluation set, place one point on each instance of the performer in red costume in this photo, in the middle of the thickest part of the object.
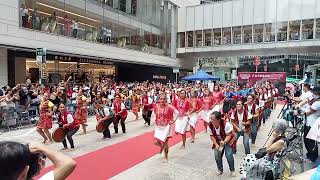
(208, 104)
(70, 124)
(121, 113)
(184, 107)
(164, 115)
(194, 116)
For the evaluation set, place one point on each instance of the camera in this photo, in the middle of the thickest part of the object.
(35, 164)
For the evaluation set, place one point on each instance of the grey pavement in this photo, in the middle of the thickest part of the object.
(196, 161)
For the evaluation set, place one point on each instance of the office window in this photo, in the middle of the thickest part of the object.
(282, 31)
(217, 36)
(270, 32)
(307, 29)
(226, 35)
(181, 40)
(258, 33)
(236, 33)
(247, 34)
(318, 28)
(294, 30)
(207, 37)
(198, 38)
(190, 38)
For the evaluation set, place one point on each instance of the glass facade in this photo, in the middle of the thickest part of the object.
(143, 25)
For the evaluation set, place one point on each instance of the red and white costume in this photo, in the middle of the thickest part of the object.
(162, 117)
(120, 109)
(217, 97)
(147, 104)
(197, 104)
(81, 110)
(206, 108)
(182, 122)
(45, 121)
(67, 118)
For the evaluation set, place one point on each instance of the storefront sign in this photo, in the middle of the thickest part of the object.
(159, 77)
(209, 64)
(81, 60)
(252, 78)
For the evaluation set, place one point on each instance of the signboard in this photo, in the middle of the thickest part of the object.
(81, 60)
(252, 78)
(175, 70)
(210, 64)
(41, 55)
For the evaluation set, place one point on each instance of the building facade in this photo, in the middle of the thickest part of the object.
(79, 32)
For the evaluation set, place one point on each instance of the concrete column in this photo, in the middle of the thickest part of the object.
(20, 70)
(174, 22)
(3, 67)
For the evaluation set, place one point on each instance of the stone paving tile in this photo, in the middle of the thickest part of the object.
(195, 162)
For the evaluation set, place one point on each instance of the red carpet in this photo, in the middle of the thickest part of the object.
(112, 160)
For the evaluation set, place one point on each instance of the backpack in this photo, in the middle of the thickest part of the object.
(262, 169)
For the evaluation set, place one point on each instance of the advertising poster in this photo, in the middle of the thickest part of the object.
(252, 78)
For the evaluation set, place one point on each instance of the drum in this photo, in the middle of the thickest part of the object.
(100, 127)
(58, 134)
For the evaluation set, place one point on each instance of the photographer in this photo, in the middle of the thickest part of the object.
(304, 96)
(23, 162)
(312, 113)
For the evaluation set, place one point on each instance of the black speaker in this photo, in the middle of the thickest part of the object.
(34, 73)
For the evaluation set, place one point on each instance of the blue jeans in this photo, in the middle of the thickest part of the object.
(254, 133)
(229, 155)
(245, 141)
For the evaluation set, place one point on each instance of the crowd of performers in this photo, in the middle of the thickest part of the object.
(228, 112)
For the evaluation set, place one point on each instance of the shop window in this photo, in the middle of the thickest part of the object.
(294, 30)
(181, 39)
(207, 37)
(217, 36)
(258, 33)
(307, 29)
(270, 32)
(282, 31)
(226, 35)
(190, 38)
(236, 33)
(247, 34)
(318, 28)
(198, 38)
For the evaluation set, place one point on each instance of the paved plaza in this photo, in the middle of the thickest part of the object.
(194, 162)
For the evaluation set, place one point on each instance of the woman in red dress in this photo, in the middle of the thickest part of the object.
(194, 116)
(218, 97)
(46, 109)
(81, 111)
(136, 104)
(208, 104)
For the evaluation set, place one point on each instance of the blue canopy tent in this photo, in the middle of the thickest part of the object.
(200, 76)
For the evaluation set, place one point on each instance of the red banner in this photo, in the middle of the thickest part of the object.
(252, 78)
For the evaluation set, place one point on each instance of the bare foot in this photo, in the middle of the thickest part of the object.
(64, 149)
(233, 174)
(219, 173)
(50, 142)
(164, 160)
(182, 147)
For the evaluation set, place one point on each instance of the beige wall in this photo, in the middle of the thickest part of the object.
(3, 67)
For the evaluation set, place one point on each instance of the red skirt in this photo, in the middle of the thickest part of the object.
(135, 108)
(81, 114)
(45, 122)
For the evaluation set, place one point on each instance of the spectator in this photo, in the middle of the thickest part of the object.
(22, 162)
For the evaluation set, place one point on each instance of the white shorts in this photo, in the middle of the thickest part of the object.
(193, 119)
(181, 125)
(163, 132)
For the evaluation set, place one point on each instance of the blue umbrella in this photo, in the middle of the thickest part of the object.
(200, 76)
